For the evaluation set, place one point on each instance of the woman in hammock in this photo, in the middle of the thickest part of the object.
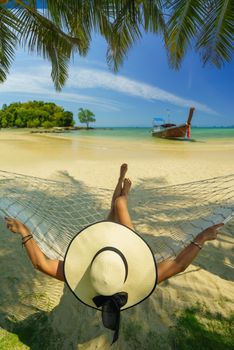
(119, 214)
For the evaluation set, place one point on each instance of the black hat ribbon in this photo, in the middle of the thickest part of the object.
(111, 305)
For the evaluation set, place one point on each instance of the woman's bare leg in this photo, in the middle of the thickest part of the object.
(121, 213)
(117, 191)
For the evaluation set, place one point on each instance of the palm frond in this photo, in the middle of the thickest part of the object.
(8, 41)
(186, 17)
(42, 36)
(131, 18)
(126, 29)
(122, 36)
(153, 18)
(61, 28)
(27, 13)
(215, 42)
(95, 16)
(69, 16)
(60, 63)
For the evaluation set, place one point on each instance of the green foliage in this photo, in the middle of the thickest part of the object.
(35, 332)
(206, 25)
(24, 24)
(86, 116)
(198, 328)
(195, 328)
(48, 125)
(34, 114)
(10, 341)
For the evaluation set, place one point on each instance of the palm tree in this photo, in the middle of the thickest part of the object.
(63, 28)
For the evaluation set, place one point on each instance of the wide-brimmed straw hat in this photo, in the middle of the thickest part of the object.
(107, 264)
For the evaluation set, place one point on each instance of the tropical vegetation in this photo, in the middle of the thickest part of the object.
(59, 29)
(191, 329)
(86, 116)
(34, 114)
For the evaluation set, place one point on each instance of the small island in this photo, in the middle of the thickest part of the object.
(35, 114)
(45, 117)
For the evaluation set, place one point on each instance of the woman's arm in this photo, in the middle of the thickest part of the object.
(53, 268)
(169, 268)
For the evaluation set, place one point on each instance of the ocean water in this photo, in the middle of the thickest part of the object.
(144, 134)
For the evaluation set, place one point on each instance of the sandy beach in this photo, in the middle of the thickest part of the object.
(46, 314)
(85, 158)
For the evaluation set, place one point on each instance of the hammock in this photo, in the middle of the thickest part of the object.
(167, 217)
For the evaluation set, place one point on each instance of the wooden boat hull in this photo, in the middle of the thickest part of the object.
(172, 132)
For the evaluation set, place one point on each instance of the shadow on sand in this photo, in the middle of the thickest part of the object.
(43, 312)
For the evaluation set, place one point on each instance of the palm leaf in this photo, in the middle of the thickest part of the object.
(215, 41)
(40, 35)
(69, 16)
(122, 36)
(59, 72)
(153, 18)
(8, 41)
(60, 36)
(186, 17)
(61, 28)
(131, 18)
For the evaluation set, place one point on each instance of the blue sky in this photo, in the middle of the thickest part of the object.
(144, 87)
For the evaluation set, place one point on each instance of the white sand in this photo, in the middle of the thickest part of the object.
(95, 162)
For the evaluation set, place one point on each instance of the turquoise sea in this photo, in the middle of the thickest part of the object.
(197, 134)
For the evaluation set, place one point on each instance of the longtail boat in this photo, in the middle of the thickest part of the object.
(169, 130)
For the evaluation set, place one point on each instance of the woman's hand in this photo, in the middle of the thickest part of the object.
(16, 226)
(209, 234)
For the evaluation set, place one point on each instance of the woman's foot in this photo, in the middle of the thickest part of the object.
(119, 185)
(121, 213)
(118, 190)
(126, 187)
(123, 170)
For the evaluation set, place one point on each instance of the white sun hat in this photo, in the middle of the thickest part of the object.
(106, 258)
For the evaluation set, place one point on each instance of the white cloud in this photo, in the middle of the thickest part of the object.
(36, 80)
(91, 78)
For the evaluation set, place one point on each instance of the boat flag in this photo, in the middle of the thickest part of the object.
(188, 132)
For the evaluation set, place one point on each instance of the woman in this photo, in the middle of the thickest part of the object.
(119, 214)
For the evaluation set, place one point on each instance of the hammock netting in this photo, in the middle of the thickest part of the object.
(168, 217)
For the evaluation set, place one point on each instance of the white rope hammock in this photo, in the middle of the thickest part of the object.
(168, 217)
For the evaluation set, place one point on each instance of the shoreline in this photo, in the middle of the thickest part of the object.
(42, 155)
